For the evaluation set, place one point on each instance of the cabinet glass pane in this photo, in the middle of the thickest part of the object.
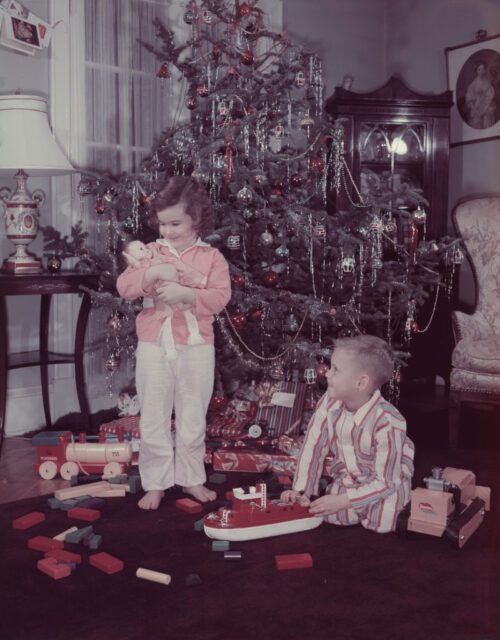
(392, 160)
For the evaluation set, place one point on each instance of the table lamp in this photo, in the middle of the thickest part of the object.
(26, 144)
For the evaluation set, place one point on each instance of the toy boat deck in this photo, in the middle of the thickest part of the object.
(253, 516)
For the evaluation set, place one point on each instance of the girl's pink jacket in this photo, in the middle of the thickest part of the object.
(209, 300)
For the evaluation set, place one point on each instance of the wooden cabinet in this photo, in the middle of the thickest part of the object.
(397, 140)
(397, 143)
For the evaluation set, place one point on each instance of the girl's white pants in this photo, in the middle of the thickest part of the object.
(184, 384)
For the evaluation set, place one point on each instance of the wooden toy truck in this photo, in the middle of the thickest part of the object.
(450, 505)
(57, 452)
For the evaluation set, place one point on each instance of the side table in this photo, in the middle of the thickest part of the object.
(45, 285)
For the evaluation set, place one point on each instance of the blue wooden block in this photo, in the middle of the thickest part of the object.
(198, 525)
(217, 478)
(220, 545)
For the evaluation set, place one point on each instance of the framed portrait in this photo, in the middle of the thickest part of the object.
(473, 72)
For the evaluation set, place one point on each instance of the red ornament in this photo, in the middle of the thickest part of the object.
(244, 10)
(115, 323)
(99, 207)
(256, 314)
(317, 165)
(297, 180)
(238, 320)
(217, 402)
(163, 72)
(238, 281)
(322, 369)
(270, 278)
(202, 91)
(247, 58)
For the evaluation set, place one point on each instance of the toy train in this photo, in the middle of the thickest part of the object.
(58, 452)
(451, 505)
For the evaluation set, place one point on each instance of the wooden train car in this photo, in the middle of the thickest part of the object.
(59, 452)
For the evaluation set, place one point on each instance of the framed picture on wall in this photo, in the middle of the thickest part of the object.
(473, 71)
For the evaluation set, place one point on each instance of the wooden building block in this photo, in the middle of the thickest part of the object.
(63, 534)
(29, 520)
(294, 561)
(95, 542)
(105, 562)
(217, 478)
(134, 483)
(186, 504)
(42, 543)
(220, 545)
(75, 537)
(93, 503)
(116, 492)
(198, 525)
(81, 513)
(81, 490)
(154, 576)
(52, 568)
(61, 555)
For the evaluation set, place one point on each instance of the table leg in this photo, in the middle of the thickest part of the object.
(3, 366)
(44, 349)
(81, 325)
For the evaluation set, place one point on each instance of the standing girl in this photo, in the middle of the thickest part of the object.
(175, 357)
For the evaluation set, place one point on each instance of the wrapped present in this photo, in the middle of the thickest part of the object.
(125, 424)
(281, 407)
(237, 416)
(241, 459)
(287, 465)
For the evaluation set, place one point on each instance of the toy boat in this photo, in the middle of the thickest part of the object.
(253, 516)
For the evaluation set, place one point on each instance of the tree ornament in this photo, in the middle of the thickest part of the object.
(376, 263)
(276, 372)
(300, 79)
(238, 320)
(163, 72)
(310, 376)
(306, 122)
(412, 251)
(244, 10)
(128, 225)
(248, 215)
(247, 58)
(319, 230)
(282, 251)
(291, 324)
(54, 264)
(322, 369)
(233, 241)
(266, 239)
(189, 17)
(218, 402)
(222, 108)
(99, 207)
(244, 195)
(191, 102)
(270, 278)
(277, 130)
(419, 216)
(238, 280)
(113, 361)
(114, 323)
(108, 196)
(202, 91)
(317, 165)
(219, 161)
(207, 17)
(458, 256)
(297, 180)
(348, 264)
(259, 178)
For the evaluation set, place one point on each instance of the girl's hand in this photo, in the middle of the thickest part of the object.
(172, 293)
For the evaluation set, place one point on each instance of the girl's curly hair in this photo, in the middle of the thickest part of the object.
(192, 194)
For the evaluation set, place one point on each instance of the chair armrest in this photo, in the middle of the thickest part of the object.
(466, 325)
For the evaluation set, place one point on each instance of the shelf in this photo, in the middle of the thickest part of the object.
(33, 359)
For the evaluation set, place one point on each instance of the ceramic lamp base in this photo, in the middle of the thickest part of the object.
(22, 264)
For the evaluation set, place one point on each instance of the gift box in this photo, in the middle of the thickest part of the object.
(126, 424)
(281, 407)
(242, 459)
(237, 416)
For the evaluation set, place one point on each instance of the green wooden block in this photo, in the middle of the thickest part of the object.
(198, 525)
(75, 537)
(66, 505)
(119, 479)
(217, 478)
(135, 483)
(54, 503)
(95, 543)
(220, 545)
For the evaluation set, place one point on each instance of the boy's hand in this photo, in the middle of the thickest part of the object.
(290, 495)
(329, 504)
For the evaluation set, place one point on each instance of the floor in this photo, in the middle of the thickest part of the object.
(426, 410)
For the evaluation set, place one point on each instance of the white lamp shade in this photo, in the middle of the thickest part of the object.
(26, 141)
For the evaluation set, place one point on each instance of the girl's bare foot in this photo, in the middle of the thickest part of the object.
(201, 493)
(151, 499)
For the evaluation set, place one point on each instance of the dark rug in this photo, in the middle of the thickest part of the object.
(362, 585)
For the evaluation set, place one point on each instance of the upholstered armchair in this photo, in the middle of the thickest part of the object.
(475, 373)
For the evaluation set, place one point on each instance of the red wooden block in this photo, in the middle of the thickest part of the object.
(64, 556)
(105, 562)
(186, 504)
(42, 543)
(81, 513)
(30, 519)
(294, 561)
(51, 567)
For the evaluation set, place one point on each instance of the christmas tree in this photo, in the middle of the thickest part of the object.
(302, 272)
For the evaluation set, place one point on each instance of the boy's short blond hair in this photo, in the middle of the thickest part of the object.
(371, 355)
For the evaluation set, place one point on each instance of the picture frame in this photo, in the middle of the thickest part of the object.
(473, 75)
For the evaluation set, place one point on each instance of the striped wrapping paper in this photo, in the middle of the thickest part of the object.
(284, 420)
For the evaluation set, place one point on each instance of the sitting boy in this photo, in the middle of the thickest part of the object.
(365, 434)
